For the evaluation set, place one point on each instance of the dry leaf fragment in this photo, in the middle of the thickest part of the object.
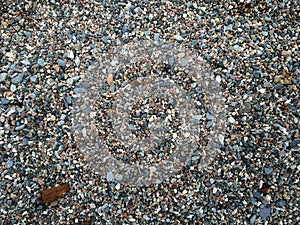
(52, 194)
(110, 79)
(265, 188)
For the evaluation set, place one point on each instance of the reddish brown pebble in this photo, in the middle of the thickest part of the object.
(52, 194)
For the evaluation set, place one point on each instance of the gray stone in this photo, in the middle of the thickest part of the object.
(193, 85)
(9, 164)
(209, 116)
(253, 219)
(209, 124)
(231, 120)
(268, 170)
(26, 62)
(33, 79)
(21, 127)
(256, 195)
(109, 176)
(104, 40)
(79, 90)
(25, 141)
(3, 76)
(264, 212)
(131, 127)
(178, 37)
(41, 62)
(70, 81)
(229, 27)
(61, 62)
(17, 79)
(77, 47)
(268, 85)
(112, 88)
(13, 88)
(124, 28)
(195, 158)
(69, 100)
(294, 143)
(4, 101)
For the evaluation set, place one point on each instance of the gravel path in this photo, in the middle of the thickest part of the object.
(253, 51)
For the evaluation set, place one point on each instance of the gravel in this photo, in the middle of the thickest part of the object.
(252, 49)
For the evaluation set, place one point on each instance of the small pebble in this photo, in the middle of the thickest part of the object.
(9, 164)
(209, 124)
(253, 219)
(70, 54)
(268, 170)
(17, 79)
(61, 62)
(41, 62)
(3, 76)
(77, 61)
(4, 101)
(21, 127)
(13, 88)
(156, 37)
(231, 119)
(109, 176)
(178, 38)
(79, 90)
(264, 212)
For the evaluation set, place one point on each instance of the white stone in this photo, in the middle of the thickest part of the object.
(70, 54)
(77, 61)
(118, 186)
(178, 37)
(221, 138)
(262, 90)
(231, 120)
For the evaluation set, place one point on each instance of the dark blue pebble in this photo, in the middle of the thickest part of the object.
(256, 195)
(264, 212)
